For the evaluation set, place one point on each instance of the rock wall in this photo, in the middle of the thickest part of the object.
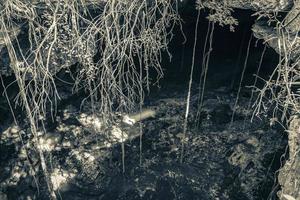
(289, 175)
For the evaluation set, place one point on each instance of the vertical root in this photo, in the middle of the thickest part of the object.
(187, 110)
(241, 80)
(205, 64)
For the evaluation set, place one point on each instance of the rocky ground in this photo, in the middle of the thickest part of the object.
(223, 160)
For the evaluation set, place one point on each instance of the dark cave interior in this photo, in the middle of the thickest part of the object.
(229, 50)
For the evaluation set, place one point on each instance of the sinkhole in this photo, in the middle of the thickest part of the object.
(101, 113)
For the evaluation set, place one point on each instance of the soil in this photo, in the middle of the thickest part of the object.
(223, 159)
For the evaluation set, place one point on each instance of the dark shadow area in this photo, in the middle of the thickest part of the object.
(229, 50)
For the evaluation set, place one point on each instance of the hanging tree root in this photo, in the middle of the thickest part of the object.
(128, 35)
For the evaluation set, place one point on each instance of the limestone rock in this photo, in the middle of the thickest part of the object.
(289, 175)
(269, 34)
(292, 20)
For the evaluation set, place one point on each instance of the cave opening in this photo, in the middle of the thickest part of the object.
(214, 148)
